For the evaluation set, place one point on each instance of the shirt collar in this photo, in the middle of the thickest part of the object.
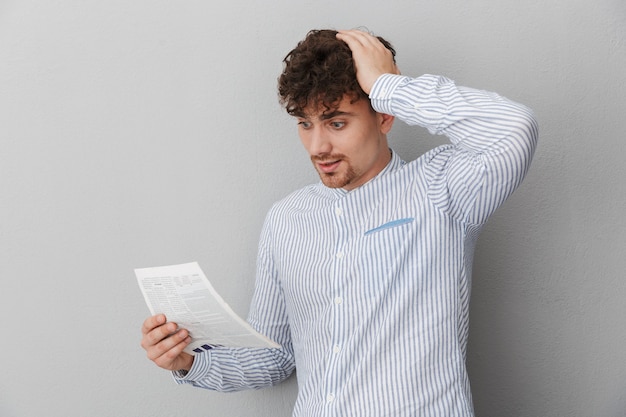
(395, 163)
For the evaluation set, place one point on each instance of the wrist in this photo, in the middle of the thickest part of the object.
(187, 363)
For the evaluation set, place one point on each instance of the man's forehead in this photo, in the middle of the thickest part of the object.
(324, 114)
(319, 109)
(323, 111)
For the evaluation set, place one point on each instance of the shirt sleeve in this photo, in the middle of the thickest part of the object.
(234, 369)
(492, 140)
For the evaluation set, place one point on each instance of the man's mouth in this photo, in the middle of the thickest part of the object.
(328, 166)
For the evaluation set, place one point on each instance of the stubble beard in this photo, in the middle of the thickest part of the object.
(336, 179)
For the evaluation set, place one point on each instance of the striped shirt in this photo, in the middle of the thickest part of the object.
(368, 290)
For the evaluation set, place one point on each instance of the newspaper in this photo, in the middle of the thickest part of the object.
(186, 297)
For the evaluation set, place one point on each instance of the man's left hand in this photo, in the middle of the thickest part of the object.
(371, 57)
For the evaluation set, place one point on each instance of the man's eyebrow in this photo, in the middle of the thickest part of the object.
(336, 113)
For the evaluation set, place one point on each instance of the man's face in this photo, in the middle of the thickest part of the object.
(347, 145)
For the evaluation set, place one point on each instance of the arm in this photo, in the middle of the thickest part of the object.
(220, 369)
(236, 369)
(231, 369)
(493, 139)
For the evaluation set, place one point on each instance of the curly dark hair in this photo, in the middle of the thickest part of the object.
(319, 71)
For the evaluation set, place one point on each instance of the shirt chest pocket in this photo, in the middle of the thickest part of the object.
(390, 225)
(384, 256)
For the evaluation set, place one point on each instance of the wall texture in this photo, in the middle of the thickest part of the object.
(141, 133)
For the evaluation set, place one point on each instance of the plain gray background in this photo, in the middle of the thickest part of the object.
(142, 133)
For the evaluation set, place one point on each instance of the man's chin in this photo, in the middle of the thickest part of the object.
(333, 181)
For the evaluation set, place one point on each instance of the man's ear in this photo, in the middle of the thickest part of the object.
(385, 122)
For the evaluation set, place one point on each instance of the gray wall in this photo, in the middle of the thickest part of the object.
(141, 133)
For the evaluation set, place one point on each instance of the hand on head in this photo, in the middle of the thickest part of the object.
(371, 57)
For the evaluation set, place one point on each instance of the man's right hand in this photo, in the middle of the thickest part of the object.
(164, 344)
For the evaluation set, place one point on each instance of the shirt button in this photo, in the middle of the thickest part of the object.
(338, 300)
(330, 398)
(339, 255)
(336, 349)
(338, 211)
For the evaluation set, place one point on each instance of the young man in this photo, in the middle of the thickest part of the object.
(364, 279)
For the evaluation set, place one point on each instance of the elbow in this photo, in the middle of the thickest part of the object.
(530, 123)
(532, 128)
(526, 133)
(527, 136)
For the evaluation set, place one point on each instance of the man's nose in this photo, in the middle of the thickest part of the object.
(320, 143)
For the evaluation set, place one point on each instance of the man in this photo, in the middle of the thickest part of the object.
(364, 279)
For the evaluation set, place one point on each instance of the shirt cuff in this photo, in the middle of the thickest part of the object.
(199, 368)
(382, 91)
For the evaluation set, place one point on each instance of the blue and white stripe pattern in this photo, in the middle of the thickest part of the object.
(368, 290)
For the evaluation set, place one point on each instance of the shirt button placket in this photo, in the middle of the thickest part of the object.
(337, 301)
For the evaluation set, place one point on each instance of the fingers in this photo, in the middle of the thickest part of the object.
(166, 353)
(164, 343)
(371, 57)
(358, 38)
(160, 334)
(152, 322)
(360, 41)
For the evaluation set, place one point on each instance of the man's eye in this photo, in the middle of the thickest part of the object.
(337, 125)
(304, 125)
